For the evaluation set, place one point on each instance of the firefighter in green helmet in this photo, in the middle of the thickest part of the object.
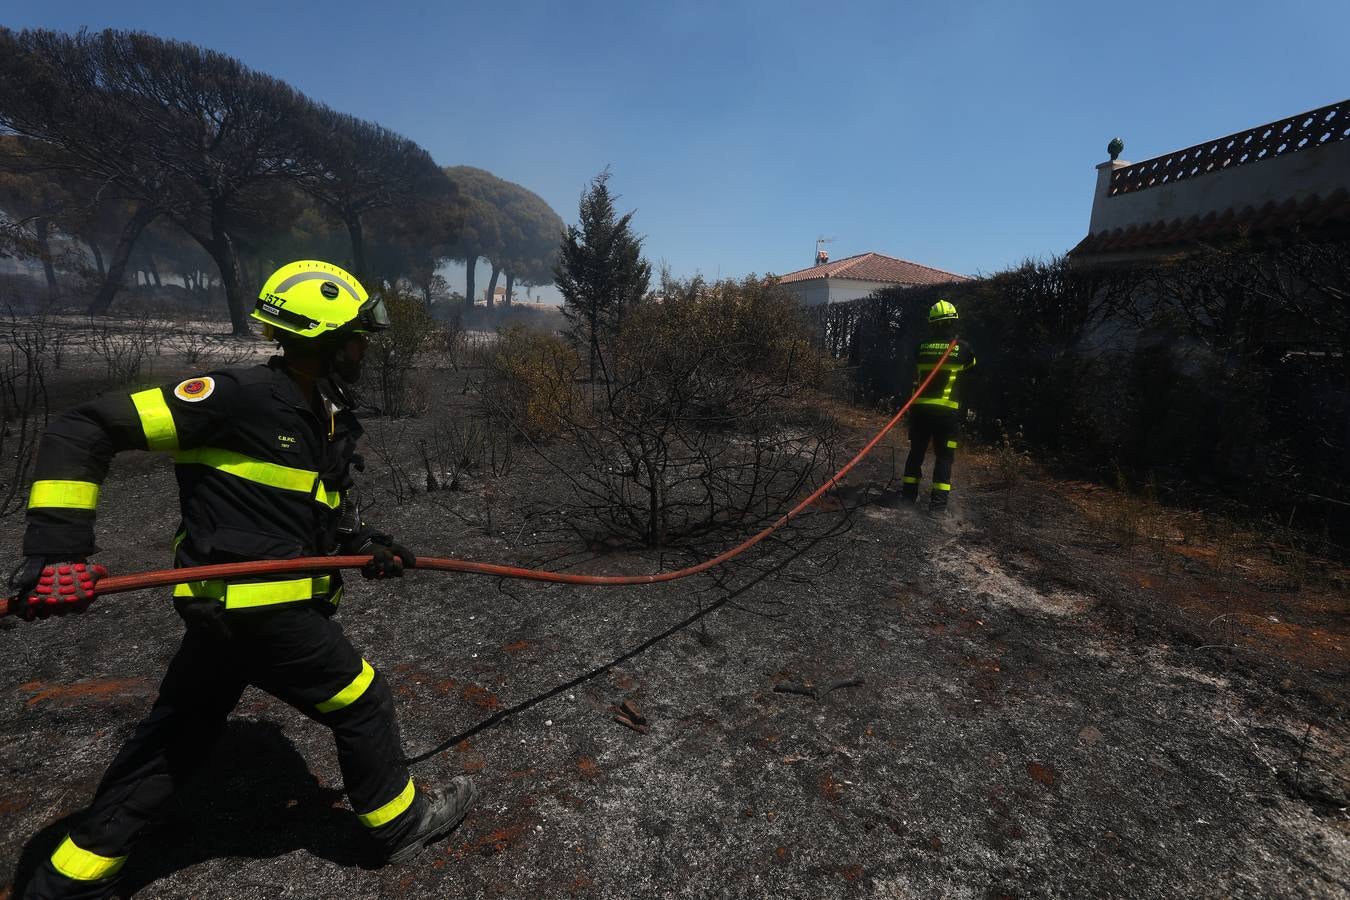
(936, 415)
(263, 458)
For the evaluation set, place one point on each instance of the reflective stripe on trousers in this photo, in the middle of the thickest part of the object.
(294, 653)
(391, 810)
(351, 693)
(79, 864)
(938, 428)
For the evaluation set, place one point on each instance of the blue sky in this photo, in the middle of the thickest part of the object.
(959, 135)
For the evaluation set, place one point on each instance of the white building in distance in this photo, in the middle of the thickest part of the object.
(859, 276)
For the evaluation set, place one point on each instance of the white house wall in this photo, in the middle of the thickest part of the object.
(1320, 170)
(842, 289)
(835, 290)
(809, 293)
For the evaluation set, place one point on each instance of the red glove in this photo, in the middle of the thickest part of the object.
(54, 589)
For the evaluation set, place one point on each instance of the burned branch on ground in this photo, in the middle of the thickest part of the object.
(123, 346)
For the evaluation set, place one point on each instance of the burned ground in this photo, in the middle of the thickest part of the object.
(1045, 709)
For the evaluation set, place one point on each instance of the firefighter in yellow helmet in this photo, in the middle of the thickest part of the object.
(263, 457)
(936, 415)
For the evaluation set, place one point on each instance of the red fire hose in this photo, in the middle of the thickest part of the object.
(120, 583)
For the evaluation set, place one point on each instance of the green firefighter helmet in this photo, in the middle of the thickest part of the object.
(309, 298)
(942, 311)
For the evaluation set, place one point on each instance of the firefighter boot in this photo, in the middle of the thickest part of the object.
(441, 812)
(937, 504)
(909, 491)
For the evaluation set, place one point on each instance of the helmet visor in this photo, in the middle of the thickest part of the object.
(373, 315)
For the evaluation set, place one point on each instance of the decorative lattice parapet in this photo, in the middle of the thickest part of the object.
(1302, 132)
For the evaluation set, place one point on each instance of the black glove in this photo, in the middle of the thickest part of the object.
(389, 560)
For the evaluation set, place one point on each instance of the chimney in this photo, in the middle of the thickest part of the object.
(822, 257)
(1101, 218)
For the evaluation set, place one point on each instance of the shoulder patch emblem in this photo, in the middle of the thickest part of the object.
(195, 389)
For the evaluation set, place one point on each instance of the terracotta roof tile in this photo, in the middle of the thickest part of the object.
(875, 267)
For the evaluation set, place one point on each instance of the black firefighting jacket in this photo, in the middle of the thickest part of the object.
(943, 393)
(261, 475)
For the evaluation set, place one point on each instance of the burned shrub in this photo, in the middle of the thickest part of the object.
(123, 346)
(703, 418)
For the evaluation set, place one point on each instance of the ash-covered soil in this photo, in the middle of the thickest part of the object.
(1044, 711)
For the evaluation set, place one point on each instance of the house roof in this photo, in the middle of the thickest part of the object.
(874, 267)
(1315, 212)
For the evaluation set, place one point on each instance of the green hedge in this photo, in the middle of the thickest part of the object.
(1223, 373)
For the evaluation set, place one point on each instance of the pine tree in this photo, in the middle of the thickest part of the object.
(600, 270)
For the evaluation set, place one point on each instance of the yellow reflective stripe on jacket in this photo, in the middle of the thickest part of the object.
(250, 469)
(332, 499)
(953, 369)
(156, 420)
(81, 865)
(351, 693)
(251, 594)
(391, 810)
(946, 398)
(63, 495)
(951, 383)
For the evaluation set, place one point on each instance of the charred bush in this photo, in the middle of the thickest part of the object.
(193, 347)
(123, 346)
(459, 446)
(702, 419)
(23, 404)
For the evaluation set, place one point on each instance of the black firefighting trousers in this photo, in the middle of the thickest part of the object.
(940, 427)
(295, 653)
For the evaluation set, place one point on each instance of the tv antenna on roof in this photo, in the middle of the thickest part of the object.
(822, 258)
